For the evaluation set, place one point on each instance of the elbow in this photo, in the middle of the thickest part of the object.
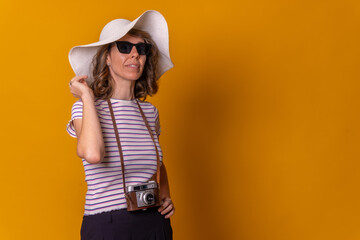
(93, 157)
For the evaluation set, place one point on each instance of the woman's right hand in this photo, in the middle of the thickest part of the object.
(79, 87)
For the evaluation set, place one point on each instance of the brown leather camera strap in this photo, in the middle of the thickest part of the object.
(120, 150)
(156, 149)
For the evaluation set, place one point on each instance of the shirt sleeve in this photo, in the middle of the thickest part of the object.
(76, 112)
(157, 121)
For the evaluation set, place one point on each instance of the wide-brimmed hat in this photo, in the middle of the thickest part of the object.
(151, 21)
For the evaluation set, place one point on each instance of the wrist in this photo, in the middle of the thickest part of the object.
(88, 96)
(166, 198)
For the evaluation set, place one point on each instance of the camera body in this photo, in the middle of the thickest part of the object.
(143, 196)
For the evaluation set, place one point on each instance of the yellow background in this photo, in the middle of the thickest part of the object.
(260, 117)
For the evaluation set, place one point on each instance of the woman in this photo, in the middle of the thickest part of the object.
(113, 126)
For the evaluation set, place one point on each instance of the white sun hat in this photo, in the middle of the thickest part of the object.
(151, 21)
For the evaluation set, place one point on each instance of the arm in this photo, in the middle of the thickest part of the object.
(164, 183)
(90, 145)
(167, 206)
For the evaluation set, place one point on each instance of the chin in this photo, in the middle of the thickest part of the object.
(134, 77)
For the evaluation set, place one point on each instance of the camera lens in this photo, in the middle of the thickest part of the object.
(149, 198)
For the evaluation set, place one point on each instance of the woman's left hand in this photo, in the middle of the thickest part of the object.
(167, 207)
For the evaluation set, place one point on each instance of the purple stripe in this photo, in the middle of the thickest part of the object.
(70, 131)
(116, 176)
(142, 129)
(112, 200)
(123, 110)
(132, 133)
(94, 189)
(137, 164)
(131, 150)
(146, 111)
(111, 195)
(78, 105)
(94, 184)
(138, 155)
(126, 137)
(111, 176)
(134, 105)
(96, 168)
(92, 174)
(114, 104)
(77, 112)
(132, 176)
(121, 114)
(126, 119)
(96, 173)
(126, 155)
(118, 160)
(133, 172)
(143, 170)
(131, 124)
(130, 141)
(115, 189)
(109, 146)
(114, 147)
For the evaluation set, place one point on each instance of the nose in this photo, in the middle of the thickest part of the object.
(134, 53)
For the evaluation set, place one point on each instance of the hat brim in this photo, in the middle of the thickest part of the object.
(151, 21)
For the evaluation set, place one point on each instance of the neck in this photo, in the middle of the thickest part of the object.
(123, 90)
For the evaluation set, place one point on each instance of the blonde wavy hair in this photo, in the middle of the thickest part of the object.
(146, 85)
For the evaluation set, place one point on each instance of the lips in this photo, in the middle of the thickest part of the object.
(133, 65)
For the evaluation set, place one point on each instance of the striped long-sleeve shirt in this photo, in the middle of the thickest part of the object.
(104, 180)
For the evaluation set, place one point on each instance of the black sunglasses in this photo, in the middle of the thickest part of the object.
(125, 47)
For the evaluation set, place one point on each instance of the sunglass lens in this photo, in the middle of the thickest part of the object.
(142, 48)
(124, 47)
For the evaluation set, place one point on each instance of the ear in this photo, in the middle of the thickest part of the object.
(108, 60)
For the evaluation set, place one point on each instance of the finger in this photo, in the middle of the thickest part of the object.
(164, 205)
(78, 78)
(170, 213)
(167, 209)
(85, 83)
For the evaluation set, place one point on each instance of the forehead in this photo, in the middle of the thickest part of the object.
(131, 39)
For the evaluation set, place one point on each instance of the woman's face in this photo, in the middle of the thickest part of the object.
(128, 67)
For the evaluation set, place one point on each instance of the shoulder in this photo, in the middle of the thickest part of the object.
(78, 103)
(149, 107)
(145, 103)
(77, 107)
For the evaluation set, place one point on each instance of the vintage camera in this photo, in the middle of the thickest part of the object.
(143, 196)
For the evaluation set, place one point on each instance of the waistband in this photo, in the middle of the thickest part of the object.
(121, 215)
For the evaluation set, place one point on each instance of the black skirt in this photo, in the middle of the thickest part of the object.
(124, 225)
